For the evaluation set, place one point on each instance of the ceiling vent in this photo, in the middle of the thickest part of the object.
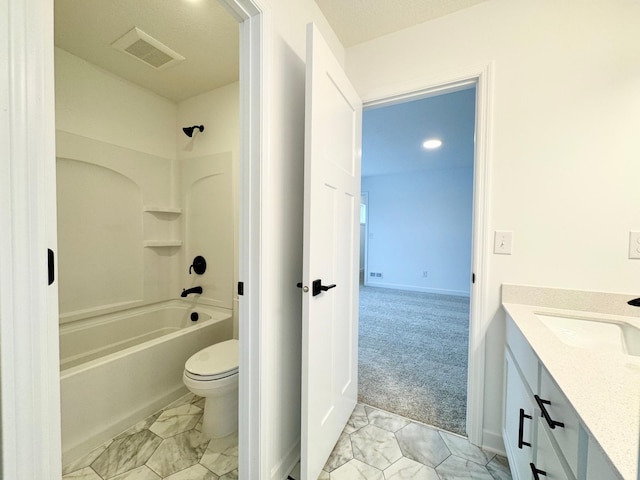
(147, 49)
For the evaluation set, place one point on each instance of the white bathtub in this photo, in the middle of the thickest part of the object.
(117, 369)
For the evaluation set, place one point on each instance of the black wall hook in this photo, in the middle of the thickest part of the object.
(199, 265)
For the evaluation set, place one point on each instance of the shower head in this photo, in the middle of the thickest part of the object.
(188, 131)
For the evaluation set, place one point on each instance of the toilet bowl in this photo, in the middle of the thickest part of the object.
(212, 373)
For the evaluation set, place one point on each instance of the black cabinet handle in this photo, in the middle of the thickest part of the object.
(317, 288)
(541, 403)
(521, 442)
(536, 472)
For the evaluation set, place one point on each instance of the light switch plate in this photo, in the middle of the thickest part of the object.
(634, 244)
(502, 242)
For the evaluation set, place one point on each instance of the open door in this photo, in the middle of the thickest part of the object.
(331, 254)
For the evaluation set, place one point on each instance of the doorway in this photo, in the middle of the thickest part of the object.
(417, 220)
(32, 94)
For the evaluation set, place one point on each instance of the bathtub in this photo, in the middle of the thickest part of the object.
(119, 368)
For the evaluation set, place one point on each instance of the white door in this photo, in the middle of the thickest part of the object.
(331, 243)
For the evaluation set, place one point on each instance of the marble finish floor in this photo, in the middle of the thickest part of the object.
(375, 445)
(378, 445)
(167, 445)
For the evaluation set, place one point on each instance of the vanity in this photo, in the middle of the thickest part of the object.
(571, 384)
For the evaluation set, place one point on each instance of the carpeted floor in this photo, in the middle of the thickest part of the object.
(413, 355)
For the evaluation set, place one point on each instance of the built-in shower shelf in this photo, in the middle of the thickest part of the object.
(162, 243)
(156, 209)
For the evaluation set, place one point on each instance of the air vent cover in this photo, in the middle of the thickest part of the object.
(147, 49)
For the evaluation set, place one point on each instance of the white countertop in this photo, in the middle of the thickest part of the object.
(604, 388)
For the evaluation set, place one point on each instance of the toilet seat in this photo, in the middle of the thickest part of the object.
(214, 362)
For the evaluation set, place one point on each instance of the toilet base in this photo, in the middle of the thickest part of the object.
(220, 416)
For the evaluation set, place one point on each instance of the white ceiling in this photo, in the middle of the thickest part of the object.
(203, 32)
(206, 34)
(356, 21)
(392, 135)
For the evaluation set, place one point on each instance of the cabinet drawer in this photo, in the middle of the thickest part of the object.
(560, 410)
(547, 458)
(523, 354)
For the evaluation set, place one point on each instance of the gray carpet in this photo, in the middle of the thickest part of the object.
(413, 355)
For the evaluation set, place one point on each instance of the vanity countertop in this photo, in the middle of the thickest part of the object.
(603, 387)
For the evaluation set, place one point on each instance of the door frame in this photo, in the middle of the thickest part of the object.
(29, 358)
(482, 77)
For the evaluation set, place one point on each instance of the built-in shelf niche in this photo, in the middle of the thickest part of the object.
(162, 226)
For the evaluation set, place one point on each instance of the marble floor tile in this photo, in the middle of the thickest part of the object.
(499, 468)
(140, 426)
(324, 476)
(356, 470)
(230, 476)
(87, 460)
(385, 420)
(126, 454)
(223, 443)
(422, 444)
(187, 398)
(221, 463)
(199, 402)
(357, 420)
(375, 446)
(177, 453)
(86, 473)
(341, 454)
(456, 468)
(196, 472)
(140, 473)
(461, 447)
(407, 469)
(176, 420)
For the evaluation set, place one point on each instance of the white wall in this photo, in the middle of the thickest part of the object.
(208, 179)
(122, 114)
(419, 222)
(122, 151)
(564, 158)
(116, 144)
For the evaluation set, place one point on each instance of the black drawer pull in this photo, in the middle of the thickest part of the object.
(521, 442)
(541, 403)
(536, 472)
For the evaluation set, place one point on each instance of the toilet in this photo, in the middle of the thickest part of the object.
(212, 373)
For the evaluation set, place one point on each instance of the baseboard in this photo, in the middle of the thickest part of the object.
(413, 288)
(492, 442)
(285, 467)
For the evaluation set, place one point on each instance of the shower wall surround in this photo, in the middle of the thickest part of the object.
(137, 199)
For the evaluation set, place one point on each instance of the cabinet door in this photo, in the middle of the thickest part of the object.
(518, 421)
(546, 458)
(559, 409)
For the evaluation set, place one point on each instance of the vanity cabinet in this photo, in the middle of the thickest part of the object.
(542, 432)
(518, 420)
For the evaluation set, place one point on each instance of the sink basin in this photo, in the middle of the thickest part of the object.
(603, 335)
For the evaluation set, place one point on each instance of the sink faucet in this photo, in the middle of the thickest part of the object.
(191, 290)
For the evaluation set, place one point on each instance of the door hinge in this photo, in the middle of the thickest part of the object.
(473, 278)
(240, 288)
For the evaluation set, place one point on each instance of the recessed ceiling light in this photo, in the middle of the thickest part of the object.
(432, 143)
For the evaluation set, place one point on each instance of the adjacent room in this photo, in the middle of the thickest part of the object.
(416, 230)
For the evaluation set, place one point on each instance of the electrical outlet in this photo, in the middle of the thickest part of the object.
(634, 244)
(424, 274)
(502, 243)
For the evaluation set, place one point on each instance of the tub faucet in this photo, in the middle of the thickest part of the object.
(191, 290)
